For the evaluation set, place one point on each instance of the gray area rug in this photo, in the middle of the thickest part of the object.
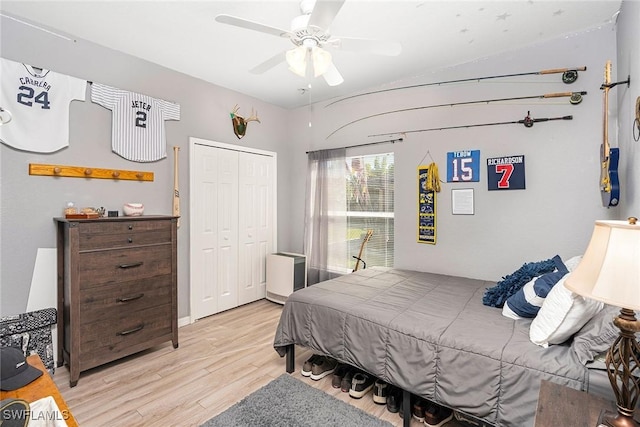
(287, 401)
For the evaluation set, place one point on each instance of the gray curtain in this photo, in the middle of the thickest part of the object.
(325, 215)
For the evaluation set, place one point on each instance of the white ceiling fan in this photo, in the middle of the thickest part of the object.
(310, 34)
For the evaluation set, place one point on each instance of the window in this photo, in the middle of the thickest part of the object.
(369, 182)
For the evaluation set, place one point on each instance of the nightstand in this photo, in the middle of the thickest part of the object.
(560, 405)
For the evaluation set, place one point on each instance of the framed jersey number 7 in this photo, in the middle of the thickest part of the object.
(506, 173)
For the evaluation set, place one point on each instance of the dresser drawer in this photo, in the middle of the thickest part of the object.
(105, 235)
(118, 300)
(104, 341)
(123, 265)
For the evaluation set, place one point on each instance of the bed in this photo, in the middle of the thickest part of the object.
(431, 335)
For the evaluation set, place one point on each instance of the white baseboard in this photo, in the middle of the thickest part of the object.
(184, 321)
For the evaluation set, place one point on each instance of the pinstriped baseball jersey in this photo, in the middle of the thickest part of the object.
(38, 101)
(137, 125)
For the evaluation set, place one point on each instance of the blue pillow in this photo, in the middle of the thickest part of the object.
(512, 283)
(528, 300)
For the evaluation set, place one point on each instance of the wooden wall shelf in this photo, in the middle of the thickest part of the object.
(87, 172)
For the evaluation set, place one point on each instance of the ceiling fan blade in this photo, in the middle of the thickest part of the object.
(268, 64)
(324, 12)
(367, 45)
(251, 25)
(333, 76)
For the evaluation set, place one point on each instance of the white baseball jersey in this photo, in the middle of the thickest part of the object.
(137, 126)
(38, 101)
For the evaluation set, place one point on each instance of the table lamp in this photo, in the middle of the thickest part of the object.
(610, 272)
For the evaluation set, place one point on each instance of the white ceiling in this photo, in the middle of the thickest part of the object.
(183, 35)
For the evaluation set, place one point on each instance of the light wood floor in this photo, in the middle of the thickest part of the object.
(220, 360)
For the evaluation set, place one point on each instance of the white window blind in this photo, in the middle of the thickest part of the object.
(369, 181)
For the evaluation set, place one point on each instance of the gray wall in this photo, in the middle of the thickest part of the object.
(29, 203)
(554, 215)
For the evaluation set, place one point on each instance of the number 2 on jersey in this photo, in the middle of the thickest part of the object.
(141, 119)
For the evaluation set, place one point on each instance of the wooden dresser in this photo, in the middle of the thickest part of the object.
(117, 288)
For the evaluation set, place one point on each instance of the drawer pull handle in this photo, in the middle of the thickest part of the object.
(130, 240)
(131, 331)
(127, 299)
(135, 264)
(131, 227)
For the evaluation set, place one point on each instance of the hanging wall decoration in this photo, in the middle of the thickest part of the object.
(528, 122)
(88, 172)
(574, 99)
(39, 102)
(426, 207)
(609, 157)
(462, 201)
(137, 122)
(569, 75)
(506, 173)
(240, 123)
(463, 166)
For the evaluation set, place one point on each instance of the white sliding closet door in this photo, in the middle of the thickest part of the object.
(214, 237)
(232, 225)
(227, 263)
(256, 195)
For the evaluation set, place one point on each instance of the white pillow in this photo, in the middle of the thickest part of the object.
(562, 315)
(572, 263)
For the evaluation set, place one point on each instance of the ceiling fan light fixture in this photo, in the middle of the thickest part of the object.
(297, 60)
(321, 61)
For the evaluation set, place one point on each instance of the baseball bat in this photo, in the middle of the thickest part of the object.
(176, 192)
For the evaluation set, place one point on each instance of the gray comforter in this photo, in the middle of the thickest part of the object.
(431, 335)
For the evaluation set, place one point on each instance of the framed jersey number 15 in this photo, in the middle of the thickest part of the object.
(463, 166)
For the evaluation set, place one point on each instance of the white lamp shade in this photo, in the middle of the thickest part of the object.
(297, 60)
(610, 268)
(321, 61)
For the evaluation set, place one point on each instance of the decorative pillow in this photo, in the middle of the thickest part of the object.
(521, 298)
(512, 283)
(597, 335)
(527, 301)
(562, 315)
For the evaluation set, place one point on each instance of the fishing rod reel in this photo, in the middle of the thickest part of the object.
(528, 121)
(569, 76)
(576, 97)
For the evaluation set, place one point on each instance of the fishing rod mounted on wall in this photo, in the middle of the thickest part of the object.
(528, 122)
(569, 75)
(574, 98)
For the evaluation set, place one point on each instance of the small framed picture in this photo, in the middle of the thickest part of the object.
(462, 201)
